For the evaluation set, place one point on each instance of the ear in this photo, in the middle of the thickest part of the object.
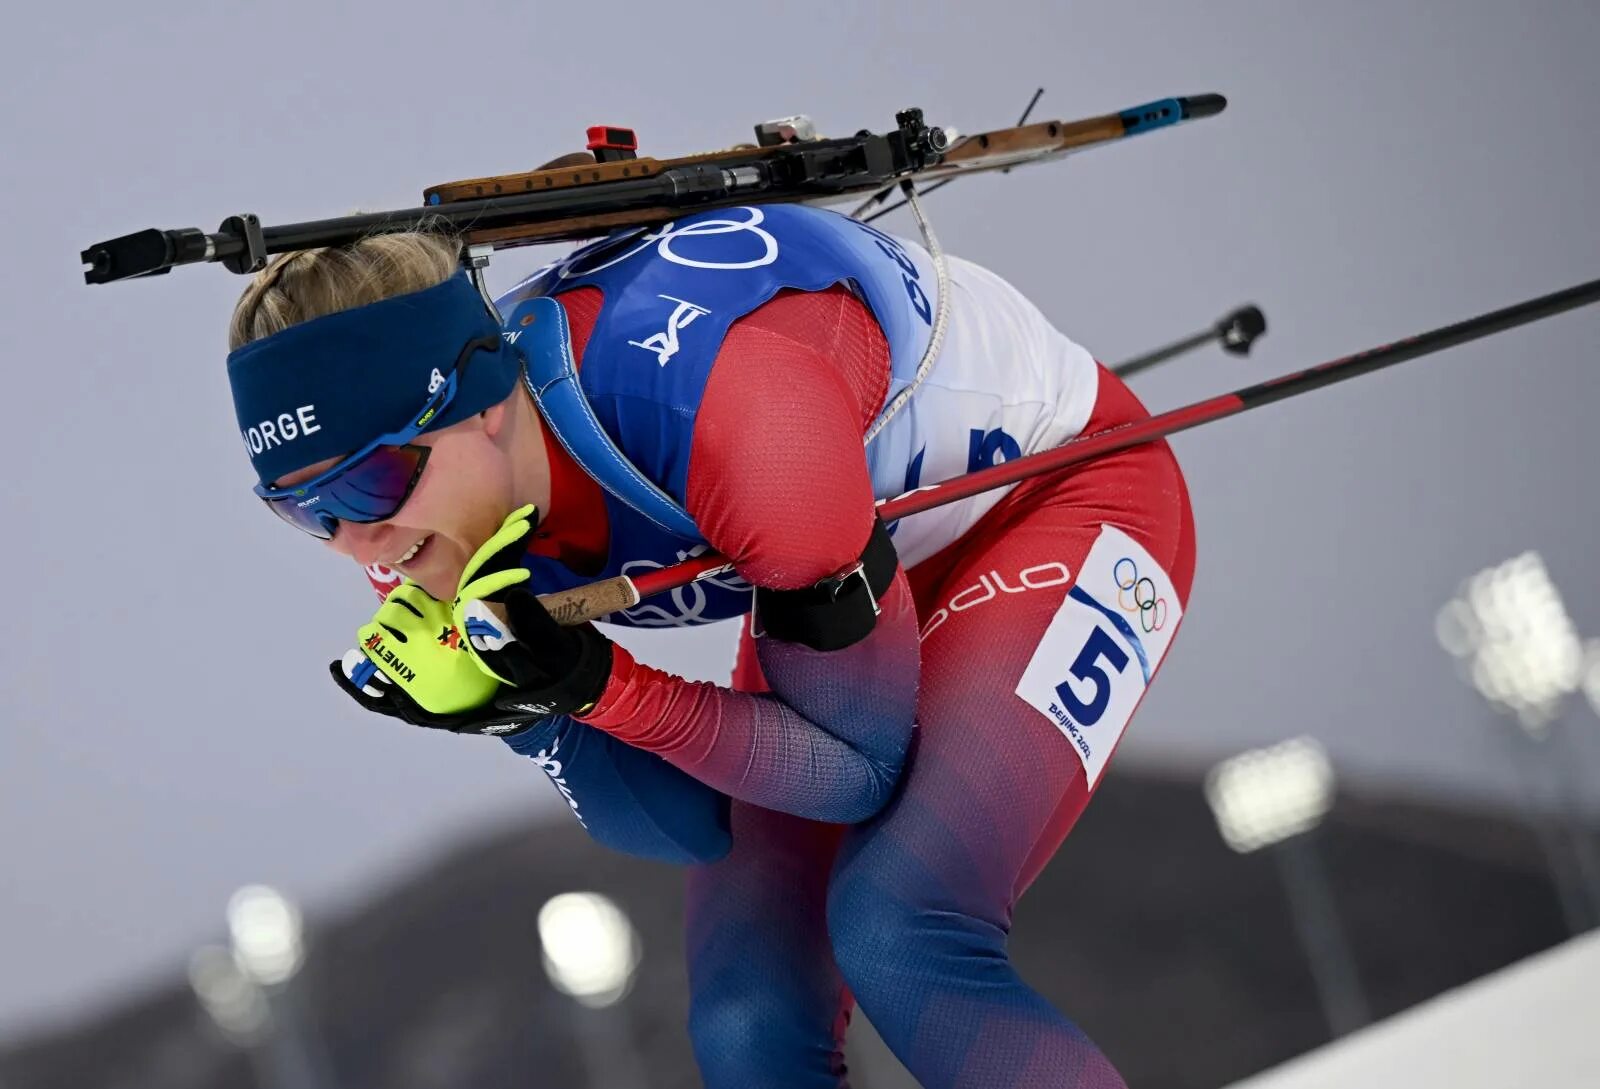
(495, 418)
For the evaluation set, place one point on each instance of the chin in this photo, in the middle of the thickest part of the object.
(438, 587)
(440, 569)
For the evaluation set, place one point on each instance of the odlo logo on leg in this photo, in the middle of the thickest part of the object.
(546, 759)
(990, 586)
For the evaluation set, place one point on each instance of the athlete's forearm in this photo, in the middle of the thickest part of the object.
(828, 743)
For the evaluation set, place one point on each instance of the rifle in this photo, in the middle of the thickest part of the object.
(619, 189)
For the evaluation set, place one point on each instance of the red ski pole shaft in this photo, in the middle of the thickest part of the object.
(610, 595)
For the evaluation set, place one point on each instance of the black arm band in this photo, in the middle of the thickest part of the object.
(837, 612)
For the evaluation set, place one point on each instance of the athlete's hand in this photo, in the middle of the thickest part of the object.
(413, 642)
(552, 669)
(410, 663)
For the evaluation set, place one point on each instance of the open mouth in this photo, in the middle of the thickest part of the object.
(411, 554)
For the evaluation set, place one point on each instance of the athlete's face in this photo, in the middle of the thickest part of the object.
(466, 489)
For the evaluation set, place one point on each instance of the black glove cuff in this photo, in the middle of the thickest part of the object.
(577, 690)
(837, 612)
(395, 703)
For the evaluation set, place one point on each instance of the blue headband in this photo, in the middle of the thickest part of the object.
(326, 387)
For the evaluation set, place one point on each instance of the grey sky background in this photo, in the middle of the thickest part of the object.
(169, 732)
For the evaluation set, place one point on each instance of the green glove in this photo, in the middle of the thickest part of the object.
(415, 644)
(551, 669)
(493, 569)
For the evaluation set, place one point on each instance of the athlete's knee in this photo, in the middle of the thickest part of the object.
(729, 1040)
(865, 929)
(894, 945)
(754, 1037)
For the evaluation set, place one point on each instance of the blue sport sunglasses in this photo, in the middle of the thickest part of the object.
(373, 483)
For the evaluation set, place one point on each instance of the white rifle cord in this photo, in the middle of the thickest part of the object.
(941, 314)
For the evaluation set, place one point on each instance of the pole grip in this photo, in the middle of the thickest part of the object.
(591, 601)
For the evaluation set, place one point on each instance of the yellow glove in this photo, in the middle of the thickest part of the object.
(494, 568)
(413, 642)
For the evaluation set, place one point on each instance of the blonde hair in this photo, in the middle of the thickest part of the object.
(306, 284)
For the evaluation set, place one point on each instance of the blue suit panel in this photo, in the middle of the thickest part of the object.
(629, 800)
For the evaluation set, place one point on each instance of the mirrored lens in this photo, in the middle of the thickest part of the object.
(302, 518)
(370, 490)
(375, 487)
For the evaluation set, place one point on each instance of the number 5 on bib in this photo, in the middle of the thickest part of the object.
(1096, 658)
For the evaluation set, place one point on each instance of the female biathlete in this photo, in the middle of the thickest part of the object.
(920, 711)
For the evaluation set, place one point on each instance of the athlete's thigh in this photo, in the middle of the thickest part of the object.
(763, 984)
(764, 898)
(1040, 637)
(759, 910)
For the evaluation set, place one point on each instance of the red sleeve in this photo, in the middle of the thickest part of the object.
(777, 477)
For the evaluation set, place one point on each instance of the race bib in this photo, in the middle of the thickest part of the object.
(1102, 647)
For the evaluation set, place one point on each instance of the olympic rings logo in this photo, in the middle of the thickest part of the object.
(691, 600)
(1136, 594)
(726, 255)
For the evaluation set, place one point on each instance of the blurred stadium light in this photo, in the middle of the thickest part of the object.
(249, 989)
(230, 997)
(1270, 798)
(1510, 630)
(1264, 796)
(590, 947)
(264, 927)
(591, 951)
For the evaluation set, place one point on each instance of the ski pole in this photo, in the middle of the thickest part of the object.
(1236, 332)
(622, 592)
